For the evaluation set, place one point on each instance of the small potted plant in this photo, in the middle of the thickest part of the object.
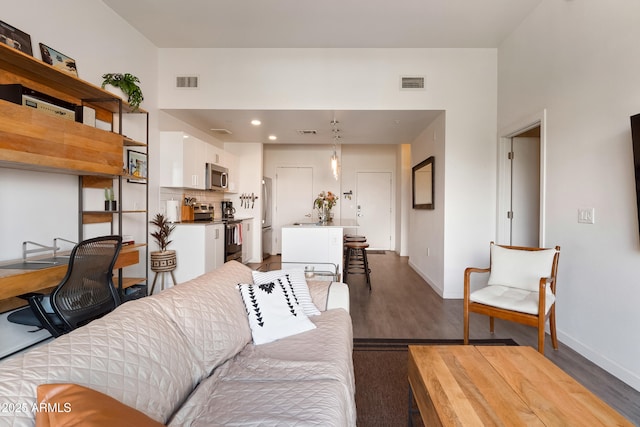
(164, 259)
(128, 83)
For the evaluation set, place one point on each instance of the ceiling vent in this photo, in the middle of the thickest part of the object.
(221, 131)
(412, 83)
(307, 132)
(187, 82)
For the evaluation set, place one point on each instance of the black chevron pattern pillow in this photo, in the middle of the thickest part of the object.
(273, 311)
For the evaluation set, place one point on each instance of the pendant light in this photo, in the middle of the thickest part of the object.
(334, 157)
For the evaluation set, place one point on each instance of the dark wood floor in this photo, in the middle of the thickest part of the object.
(402, 305)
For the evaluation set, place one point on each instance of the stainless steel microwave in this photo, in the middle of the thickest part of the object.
(217, 177)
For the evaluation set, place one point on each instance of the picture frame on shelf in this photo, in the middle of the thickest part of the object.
(13, 37)
(136, 167)
(58, 60)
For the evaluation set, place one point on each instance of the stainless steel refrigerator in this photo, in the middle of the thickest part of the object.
(266, 217)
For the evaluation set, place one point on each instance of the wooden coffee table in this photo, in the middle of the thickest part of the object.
(500, 385)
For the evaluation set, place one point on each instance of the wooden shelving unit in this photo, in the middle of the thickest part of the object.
(33, 140)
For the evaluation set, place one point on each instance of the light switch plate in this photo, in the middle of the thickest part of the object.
(586, 215)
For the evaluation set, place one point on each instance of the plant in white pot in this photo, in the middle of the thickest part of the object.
(164, 260)
(128, 83)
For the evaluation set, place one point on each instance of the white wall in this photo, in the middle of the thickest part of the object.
(461, 81)
(41, 206)
(404, 197)
(427, 252)
(579, 60)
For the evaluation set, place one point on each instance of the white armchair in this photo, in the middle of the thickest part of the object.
(521, 288)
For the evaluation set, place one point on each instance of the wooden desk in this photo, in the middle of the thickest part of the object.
(17, 282)
(500, 385)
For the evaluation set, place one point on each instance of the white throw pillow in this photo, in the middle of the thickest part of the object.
(273, 311)
(294, 278)
(521, 269)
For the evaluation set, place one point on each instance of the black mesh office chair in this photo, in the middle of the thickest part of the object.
(84, 294)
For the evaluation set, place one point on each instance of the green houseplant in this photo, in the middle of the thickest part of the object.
(128, 83)
(161, 235)
(163, 260)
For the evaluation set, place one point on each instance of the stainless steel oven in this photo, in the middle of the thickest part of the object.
(233, 240)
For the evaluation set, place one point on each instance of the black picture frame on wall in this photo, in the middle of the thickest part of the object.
(13, 37)
(422, 179)
(136, 166)
(635, 146)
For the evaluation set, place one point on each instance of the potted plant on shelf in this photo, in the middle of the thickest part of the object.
(163, 260)
(128, 83)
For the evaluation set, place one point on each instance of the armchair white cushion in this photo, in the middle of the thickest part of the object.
(512, 298)
(520, 268)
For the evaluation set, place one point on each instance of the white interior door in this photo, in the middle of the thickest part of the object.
(373, 204)
(525, 191)
(294, 199)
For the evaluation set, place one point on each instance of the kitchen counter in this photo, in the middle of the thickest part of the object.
(337, 223)
(215, 221)
(313, 244)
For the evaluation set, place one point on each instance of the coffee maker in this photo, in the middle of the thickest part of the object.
(227, 209)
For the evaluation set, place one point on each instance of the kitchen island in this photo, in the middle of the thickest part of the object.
(315, 245)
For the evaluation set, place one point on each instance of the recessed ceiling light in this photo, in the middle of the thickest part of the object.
(273, 137)
(185, 136)
(256, 122)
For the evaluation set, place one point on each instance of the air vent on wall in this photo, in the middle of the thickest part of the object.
(190, 82)
(412, 82)
(221, 131)
(307, 132)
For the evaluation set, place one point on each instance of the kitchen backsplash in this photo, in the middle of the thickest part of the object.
(209, 197)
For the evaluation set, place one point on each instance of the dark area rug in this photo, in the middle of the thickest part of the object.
(382, 388)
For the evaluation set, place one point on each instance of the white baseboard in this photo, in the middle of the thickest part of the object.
(594, 356)
(426, 278)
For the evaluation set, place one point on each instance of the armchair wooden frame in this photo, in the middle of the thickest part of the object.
(536, 320)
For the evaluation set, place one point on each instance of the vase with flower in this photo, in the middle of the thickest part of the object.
(323, 203)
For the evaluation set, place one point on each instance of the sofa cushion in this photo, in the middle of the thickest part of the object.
(299, 356)
(273, 311)
(309, 375)
(72, 405)
(209, 312)
(134, 354)
(269, 404)
(521, 269)
(296, 279)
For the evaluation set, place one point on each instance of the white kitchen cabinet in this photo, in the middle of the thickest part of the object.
(199, 249)
(182, 161)
(218, 236)
(314, 245)
(247, 240)
(214, 154)
(230, 161)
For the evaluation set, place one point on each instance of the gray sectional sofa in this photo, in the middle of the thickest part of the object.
(185, 357)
